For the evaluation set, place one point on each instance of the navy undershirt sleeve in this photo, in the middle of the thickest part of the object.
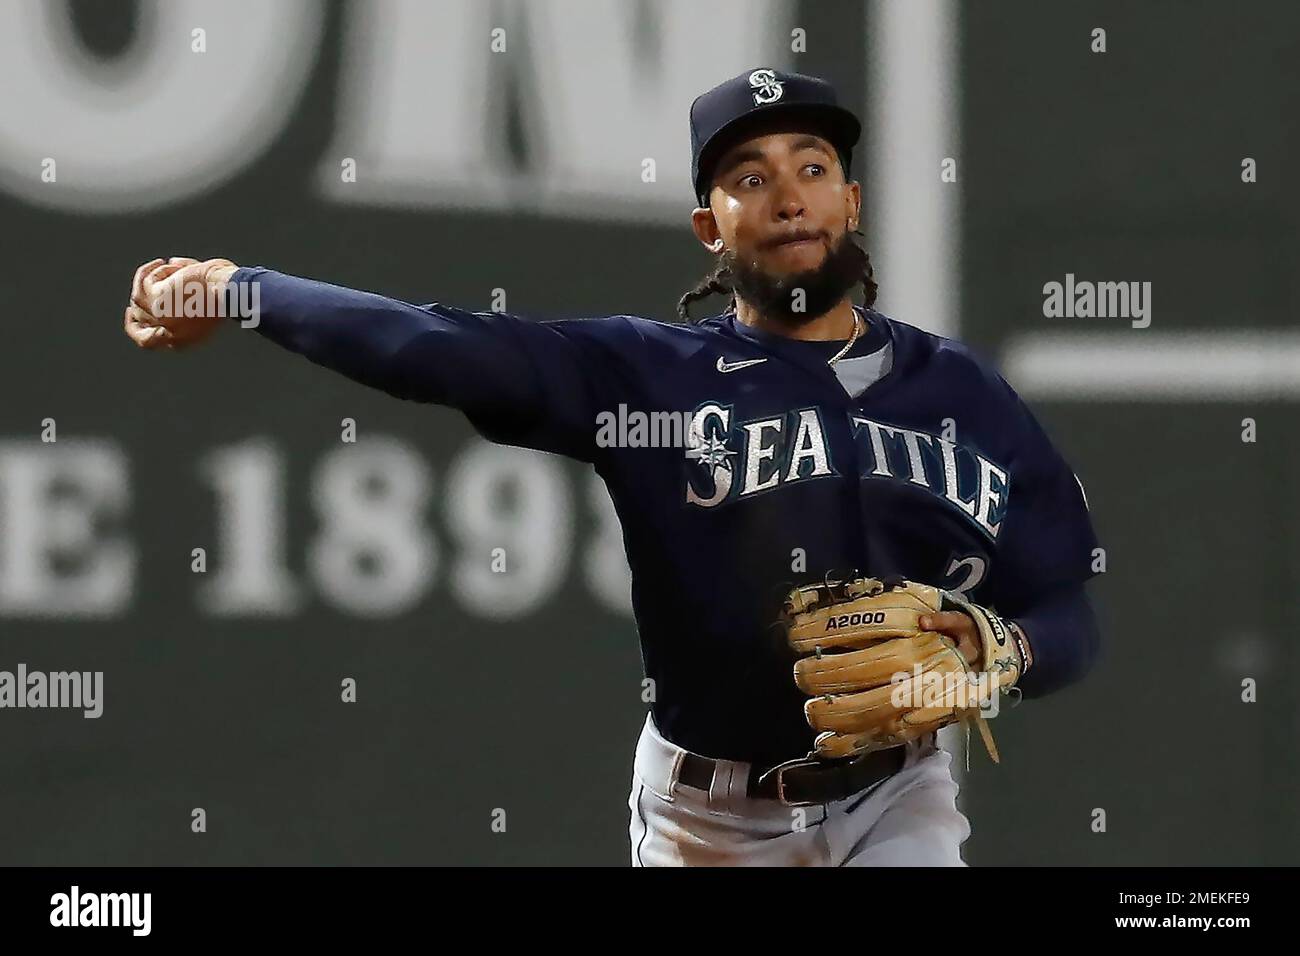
(1064, 639)
(520, 382)
(1047, 540)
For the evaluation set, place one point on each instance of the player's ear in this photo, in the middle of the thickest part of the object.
(854, 200)
(705, 226)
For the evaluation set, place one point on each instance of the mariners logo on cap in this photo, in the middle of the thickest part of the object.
(767, 88)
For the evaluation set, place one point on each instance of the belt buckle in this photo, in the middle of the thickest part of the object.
(780, 770)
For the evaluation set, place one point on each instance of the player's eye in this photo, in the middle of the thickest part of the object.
(749, 180)
(821, 170)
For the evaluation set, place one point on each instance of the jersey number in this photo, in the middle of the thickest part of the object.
(976, 566)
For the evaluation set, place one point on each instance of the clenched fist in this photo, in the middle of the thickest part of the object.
(177, 303)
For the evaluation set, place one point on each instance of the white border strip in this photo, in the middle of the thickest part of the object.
(913, 221)
(1155, 366)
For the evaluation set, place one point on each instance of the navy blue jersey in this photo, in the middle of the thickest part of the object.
(934, 470)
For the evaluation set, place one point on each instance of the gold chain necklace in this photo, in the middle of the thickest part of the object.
(857, 327)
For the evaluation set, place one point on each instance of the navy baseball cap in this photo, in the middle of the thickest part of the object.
(720, 117)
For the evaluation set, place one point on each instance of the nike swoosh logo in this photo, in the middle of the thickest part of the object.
(725, 366)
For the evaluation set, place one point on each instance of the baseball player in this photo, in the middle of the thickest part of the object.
(878, 493)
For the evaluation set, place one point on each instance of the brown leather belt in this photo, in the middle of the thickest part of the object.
(805, 781)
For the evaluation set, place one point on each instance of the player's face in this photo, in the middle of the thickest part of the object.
(780, 202)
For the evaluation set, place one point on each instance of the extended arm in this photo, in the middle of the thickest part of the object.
(536, 384)
(434, 353)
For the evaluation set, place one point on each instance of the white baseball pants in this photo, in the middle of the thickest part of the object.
(909, 819)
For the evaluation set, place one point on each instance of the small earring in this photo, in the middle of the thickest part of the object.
(717, 245)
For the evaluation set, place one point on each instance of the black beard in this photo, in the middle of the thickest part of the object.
(823, 287)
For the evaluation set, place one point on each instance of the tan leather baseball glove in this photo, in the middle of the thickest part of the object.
(876, 679)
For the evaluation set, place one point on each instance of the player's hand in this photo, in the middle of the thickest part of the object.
(960, 627)
(175, 304)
